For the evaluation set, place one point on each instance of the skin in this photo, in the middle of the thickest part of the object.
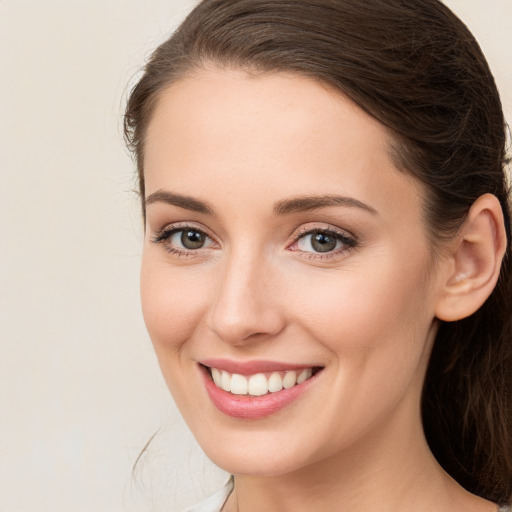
(258, 290)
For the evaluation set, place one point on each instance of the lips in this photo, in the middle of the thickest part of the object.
(255, 389)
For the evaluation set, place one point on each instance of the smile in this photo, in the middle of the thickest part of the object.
(259, 384)
(255, 390)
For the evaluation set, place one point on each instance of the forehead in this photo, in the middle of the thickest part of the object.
(267, 133)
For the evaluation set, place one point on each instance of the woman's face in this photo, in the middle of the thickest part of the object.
(283, 244)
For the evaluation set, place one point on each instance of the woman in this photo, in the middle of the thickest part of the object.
(326, 268)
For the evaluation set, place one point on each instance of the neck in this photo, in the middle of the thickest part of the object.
(390, 470)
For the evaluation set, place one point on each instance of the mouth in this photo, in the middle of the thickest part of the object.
(252, 390)
(262, 383)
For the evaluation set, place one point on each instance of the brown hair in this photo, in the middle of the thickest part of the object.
(414, 66)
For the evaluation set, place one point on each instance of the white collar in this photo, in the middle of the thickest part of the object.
(216, 501)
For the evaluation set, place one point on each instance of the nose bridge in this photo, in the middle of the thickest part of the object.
(242, 305)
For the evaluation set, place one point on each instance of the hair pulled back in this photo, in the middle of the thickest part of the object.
(414, 66)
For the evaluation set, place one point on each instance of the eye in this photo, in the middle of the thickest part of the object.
(182, 239)
(319, 242)
(189, 239)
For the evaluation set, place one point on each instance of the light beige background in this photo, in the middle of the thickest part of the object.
(80, 390)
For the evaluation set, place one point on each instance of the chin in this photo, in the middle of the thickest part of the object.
(254, 465)
(256, 453)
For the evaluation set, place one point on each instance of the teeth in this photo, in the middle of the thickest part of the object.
(275, 382)
(225, 381)
(304, 375)
(258, 384)
(238, 384)
(290, 379)
(217, 377)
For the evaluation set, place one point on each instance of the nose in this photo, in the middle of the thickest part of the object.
(244, 306)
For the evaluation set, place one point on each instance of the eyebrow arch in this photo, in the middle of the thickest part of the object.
(306, 203)
(186, 202)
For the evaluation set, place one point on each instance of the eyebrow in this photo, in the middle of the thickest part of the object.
(284, 207)
(306, 203)
(186, 202)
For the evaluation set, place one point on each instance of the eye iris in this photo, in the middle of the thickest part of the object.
(192, 239)
(323, 242)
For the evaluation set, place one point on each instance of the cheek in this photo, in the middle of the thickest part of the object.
(171, 304)
(383, 310)
(376, 329)
(171, 309)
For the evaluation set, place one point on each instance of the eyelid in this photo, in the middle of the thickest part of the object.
(323, 227)
(173, 227)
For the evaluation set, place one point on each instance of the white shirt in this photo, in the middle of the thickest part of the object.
(215, 502)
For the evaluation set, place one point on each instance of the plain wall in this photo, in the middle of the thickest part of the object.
(80, 389)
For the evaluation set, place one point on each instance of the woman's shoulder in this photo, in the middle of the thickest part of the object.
(216, 501)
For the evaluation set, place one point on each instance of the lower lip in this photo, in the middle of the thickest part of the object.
(253, 407)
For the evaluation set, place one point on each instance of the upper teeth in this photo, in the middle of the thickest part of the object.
(258, 384)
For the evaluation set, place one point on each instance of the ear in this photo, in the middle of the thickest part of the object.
(474, 262)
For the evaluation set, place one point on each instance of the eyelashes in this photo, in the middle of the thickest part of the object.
(188, 241)
(183, 240)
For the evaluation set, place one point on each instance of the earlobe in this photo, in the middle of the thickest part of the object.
(474, 262)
